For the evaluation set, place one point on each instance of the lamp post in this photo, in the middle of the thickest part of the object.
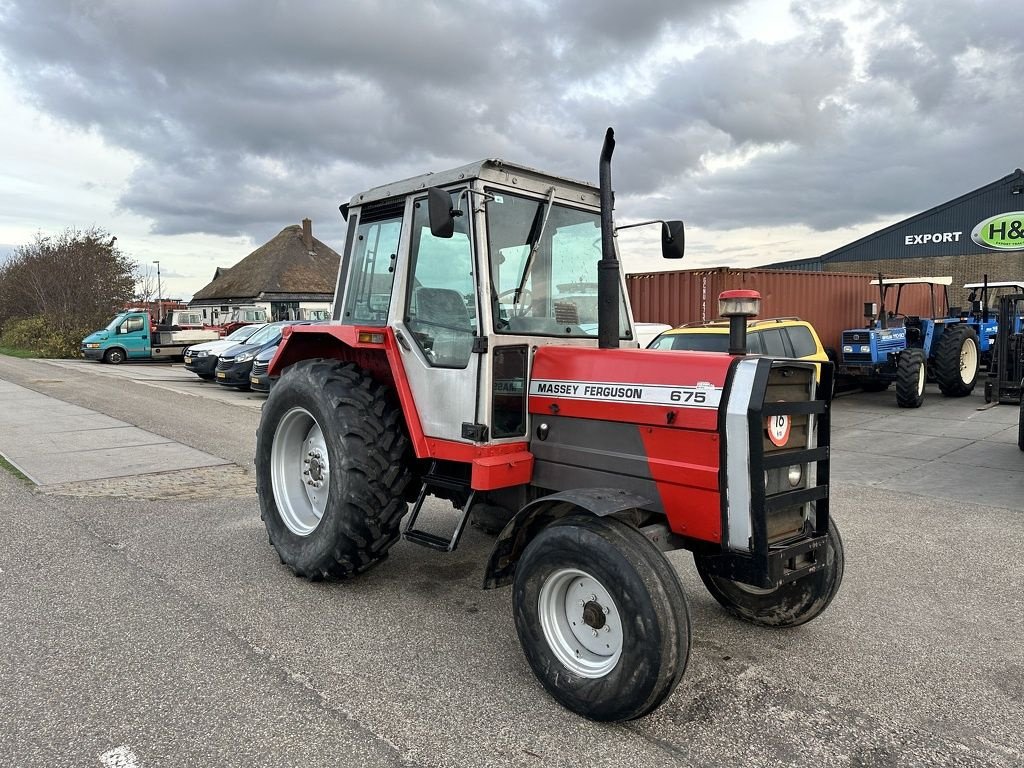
(159, 295)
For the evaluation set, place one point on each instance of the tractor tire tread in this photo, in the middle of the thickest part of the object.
(372, 452)
(907, 378)
(947, 361)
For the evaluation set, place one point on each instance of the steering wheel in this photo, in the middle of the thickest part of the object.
(525, 302)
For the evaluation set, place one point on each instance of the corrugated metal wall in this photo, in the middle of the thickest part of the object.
(831, 301)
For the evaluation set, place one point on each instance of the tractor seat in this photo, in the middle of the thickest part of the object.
(915, 335)
(443, 306)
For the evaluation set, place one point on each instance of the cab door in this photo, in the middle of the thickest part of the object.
(133, 335)
(438, 325)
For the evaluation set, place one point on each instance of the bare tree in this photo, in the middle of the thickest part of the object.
(74, 280)
(146, 286)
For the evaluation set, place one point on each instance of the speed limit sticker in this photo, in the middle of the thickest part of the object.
(778, 429)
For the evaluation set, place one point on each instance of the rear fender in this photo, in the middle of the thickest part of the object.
(379, 357)
(539, 513)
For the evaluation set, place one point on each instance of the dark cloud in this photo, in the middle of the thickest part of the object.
(248, 116)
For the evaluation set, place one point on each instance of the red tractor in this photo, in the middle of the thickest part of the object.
(467, 362)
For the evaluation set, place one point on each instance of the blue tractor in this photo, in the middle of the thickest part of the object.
(983, 314)
(909, 349)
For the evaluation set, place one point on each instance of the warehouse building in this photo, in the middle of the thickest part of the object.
(977, 234)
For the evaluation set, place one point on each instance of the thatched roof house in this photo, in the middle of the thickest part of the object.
(291, 270)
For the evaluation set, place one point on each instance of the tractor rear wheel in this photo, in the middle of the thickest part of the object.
(788, 605)
(332, 462)
(956, 361)
(602, 618)
(911, 373)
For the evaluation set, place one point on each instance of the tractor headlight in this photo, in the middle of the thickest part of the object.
(795, 475)
(865, 348)
(847, 348)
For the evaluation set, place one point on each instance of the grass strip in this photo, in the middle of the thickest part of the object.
(5, 464)
(15, 352)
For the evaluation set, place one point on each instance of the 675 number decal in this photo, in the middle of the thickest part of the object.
(688, 396)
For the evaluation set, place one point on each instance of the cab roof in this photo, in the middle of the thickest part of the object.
(494, 170)
(946, 280)
(1004, 284)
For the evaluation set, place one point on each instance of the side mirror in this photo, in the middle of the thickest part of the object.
(673, 239)
(439, 210)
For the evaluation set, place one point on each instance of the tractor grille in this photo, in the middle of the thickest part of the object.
(787, 472)
(857, 339)
(776, 460)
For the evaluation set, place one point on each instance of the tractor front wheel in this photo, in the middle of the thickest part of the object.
(602, 618)
(911, 373)
(789, 605)
(956, 361)
(332, 462)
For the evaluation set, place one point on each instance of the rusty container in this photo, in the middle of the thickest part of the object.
(831, 301)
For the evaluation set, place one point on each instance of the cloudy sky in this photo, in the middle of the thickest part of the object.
(194, 131)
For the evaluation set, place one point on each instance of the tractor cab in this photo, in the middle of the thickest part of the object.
(471, 269)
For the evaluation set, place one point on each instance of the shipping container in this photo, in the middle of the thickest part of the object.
(831, 301)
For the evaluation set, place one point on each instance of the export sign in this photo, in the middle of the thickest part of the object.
(1002, 232)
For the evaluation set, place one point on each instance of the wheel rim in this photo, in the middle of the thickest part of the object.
(300, 471)
(750, 589)
(920, 379)
(968, 360)
(581, 622)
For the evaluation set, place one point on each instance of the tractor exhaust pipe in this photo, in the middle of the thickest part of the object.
(608, 266)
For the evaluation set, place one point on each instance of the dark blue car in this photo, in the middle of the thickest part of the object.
(235, 364)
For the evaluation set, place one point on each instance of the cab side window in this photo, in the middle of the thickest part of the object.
(774, 344)
(802, 340)
(374, 254)
(131, 325)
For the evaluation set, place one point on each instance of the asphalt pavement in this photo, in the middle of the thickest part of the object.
(163, 631)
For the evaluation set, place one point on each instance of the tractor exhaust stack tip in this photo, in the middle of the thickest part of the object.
(739, 306)
(608, 266)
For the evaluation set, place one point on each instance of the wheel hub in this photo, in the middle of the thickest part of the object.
(300, 471)
(581, 622)
(315, 469)
(593, 614)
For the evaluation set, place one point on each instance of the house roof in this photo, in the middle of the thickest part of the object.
(282, 265)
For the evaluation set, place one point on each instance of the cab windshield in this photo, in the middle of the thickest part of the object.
(559, 286)
(265, 334)
(116, 322)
